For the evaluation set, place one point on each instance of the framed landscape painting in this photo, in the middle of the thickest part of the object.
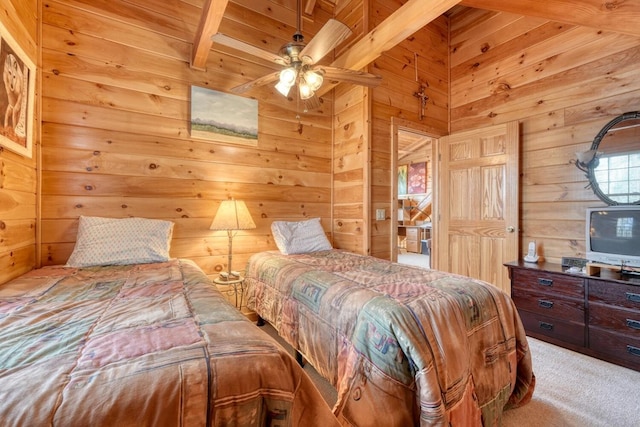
(17, 96)
(223, 117)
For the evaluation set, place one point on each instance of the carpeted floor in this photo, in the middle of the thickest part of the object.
(572, 390)
(577, 390)
(414, 259)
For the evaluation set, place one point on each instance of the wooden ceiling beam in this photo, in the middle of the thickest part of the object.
(401, 24)
(619, 16)
(212, 13)
(308, 8)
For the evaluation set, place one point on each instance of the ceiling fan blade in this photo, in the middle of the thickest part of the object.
(225, 40)
(330, 35)
(349, 76)
(260, 81)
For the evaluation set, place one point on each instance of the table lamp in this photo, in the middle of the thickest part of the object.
(232, 216)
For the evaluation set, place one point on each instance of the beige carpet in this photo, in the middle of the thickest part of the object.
(577, 390)
(572, 390)
(414, 259)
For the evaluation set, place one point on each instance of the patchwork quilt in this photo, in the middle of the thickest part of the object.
(402, 345)
(148, 344)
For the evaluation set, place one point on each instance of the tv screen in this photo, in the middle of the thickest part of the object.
(615, 231)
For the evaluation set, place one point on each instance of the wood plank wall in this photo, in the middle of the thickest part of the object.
(116, 137)
(395, 98)
(18, 176)
(115, 109)
(351, 149)
(563, 83)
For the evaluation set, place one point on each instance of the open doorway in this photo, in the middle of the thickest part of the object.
(413, 195)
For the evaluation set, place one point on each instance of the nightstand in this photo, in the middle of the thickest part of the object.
(235, 288)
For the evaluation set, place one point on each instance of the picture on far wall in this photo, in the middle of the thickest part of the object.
(17, 96)
(402, 179)
(223, 117)
(417, 179)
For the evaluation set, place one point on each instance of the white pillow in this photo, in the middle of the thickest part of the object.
(297, 237)
(119, 241)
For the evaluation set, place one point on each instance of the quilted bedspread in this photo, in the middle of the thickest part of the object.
(142, 345)
(402, 345)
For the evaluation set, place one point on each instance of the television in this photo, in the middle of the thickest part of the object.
(613, 235)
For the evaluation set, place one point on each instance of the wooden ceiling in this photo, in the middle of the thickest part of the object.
(412, 142)
(622, 16)
(619, 16)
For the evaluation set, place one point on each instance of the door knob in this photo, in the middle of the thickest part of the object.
(511, 229)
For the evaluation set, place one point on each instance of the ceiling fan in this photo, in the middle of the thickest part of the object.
(300, 62)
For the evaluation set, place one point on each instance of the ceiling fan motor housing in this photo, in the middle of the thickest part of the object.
(291, 51)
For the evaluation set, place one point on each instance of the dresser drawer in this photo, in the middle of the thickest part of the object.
(412, 233)
(537, 324)
(568, 309)
(619, 294)
(412, 246)
(619, 320)
(541, 281)
(615, 345)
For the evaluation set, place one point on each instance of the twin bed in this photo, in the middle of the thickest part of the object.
(402, 345)
(148, 340)
(151, 342)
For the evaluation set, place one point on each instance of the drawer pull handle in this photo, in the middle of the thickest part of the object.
(546, 282)
(545, 304)
(635, 324)
(632, 297)
(633, 350)
(547, 326)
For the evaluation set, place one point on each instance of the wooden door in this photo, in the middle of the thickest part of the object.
(478, 199)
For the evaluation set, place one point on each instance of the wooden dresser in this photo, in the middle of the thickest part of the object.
(413, 239)
(592, 315)
(414, 235)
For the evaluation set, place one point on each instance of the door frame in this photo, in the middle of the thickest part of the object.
(397, 125)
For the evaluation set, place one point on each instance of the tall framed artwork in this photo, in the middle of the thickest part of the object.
(17, 96)
(417, 178)
(402, 179)
(223, 117)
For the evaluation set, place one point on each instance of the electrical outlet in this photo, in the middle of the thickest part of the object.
(380, 214)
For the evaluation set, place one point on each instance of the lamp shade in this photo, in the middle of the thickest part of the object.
(305, 90)
(313, 79)
(232, 215)
(283, 88)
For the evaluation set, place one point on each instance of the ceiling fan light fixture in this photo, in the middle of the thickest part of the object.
(288, 76)
(305, 90)
(283, 88)
(314, 79)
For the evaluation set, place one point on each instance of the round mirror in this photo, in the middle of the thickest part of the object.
(613, 163)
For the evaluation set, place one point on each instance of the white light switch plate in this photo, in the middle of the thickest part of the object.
(380, 214)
